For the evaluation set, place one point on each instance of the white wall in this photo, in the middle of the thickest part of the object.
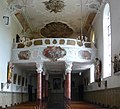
(16, 87)
(7, 33)
(113, 81)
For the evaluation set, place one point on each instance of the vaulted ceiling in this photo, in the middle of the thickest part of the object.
(55, 18)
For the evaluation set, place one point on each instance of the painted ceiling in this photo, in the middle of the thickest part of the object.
(55, 18)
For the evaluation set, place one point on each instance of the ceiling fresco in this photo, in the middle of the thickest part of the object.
(55, 18)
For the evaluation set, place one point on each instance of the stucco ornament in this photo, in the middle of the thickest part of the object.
(54, 5)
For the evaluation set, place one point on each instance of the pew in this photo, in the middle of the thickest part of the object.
(22, 107)
(28, 105)
(84, 105)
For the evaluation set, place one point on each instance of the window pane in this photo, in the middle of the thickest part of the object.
(106, 42)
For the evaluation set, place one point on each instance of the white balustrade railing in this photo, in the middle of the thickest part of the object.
(75, 50)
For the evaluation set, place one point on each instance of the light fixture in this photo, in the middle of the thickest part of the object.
(80, 73)
(54, 5)
(6, 20)
(81, 23)
(24, 33)
(82, 37)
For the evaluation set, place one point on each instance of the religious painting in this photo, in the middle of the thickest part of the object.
(85, 55)
(56, 83)
(9, 72)
(19, 79)
(54, 53)
(24, 55)
(48, 84)
(14, 78)
(22, 81)
(26, 82)
(86, 81)
(6, 20)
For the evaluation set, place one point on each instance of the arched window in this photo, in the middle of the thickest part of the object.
(106, 42)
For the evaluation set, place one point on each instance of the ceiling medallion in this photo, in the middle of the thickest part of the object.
(56, 30)
(54, 5)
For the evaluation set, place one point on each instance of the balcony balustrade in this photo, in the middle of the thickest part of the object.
(55, 49)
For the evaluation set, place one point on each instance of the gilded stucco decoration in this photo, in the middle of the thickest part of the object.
(54, 5)
(56, 30)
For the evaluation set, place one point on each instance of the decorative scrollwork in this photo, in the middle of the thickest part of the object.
(54, 5)
(56, 30)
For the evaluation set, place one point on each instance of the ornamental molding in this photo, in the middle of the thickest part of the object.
(56, 30)
(54, 5)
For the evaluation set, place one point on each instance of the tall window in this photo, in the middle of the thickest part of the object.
(106, 41)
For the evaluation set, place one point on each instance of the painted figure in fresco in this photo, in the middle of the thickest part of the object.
(54, 53)
(97, 70)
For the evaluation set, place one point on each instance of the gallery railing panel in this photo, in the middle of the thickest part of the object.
(55, 49)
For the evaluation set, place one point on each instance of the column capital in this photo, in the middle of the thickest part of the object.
(39, 67)
(68, 66)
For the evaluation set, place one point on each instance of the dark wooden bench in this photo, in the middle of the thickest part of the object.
(84, 105)
(28, 105)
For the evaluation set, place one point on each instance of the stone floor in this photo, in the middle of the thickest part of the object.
(56, 106)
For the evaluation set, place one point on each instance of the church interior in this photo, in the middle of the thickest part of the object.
(59, 54)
